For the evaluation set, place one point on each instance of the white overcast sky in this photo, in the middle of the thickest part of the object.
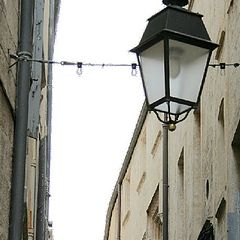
(94, 115)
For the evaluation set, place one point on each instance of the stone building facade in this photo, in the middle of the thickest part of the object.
(34, 207)
(204, 154)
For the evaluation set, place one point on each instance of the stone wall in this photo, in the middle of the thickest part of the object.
(204, 151)
(8, 43)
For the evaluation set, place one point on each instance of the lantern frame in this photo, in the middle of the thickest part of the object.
(174, 23)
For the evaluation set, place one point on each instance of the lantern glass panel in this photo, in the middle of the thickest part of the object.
(152, 62)
(187, 64)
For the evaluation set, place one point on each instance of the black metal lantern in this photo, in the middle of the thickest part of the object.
(173, 56)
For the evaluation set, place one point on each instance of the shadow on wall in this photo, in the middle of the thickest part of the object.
(236, 153)
(207, 232)
(234, 217)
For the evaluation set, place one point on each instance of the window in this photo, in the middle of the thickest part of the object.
(207, 232)
(180, 196)
(154, 224)
(156, 143)
(190, 5)
(236, 138)
(221, 43)
(221, 220)
(230, 6)
(126, 197)
(140, 154)
(236, 153)
(220, 163)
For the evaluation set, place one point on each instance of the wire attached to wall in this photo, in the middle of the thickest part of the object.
(79, 65)
(224, 65)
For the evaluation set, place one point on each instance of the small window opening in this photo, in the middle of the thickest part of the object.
(207, 189)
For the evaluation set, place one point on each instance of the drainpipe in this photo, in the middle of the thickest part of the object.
(165, 180)
(49, 94)
(119, 213)
(45, 149)
(41, 225)
(20, 134)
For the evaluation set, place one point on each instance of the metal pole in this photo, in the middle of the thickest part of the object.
(165, 180)
(20, 134)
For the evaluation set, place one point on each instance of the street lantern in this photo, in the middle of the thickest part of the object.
(173, 57)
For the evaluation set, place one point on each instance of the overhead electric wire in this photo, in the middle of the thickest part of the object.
(79, 64)
(64, 63)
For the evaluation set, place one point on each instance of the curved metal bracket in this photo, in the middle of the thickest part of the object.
(169, 119)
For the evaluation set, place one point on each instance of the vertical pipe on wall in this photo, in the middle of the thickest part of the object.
(165, 180)
(41, 202)
(50, 93)
(20, 134)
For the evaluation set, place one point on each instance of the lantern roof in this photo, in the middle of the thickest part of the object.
(176, 23)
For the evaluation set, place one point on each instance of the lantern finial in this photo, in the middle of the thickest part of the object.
(180, 3)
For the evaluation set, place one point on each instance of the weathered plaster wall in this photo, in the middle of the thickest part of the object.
(204, 166)
(8, 43)
(6, 144)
